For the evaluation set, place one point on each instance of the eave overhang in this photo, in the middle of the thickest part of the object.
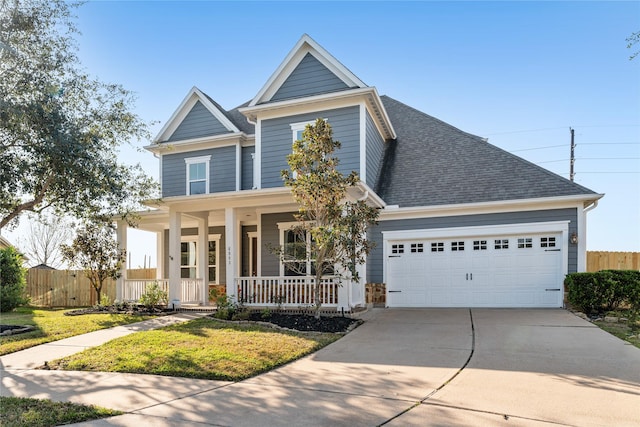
(368, 95)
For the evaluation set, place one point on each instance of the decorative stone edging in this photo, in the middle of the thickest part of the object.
(21, 329)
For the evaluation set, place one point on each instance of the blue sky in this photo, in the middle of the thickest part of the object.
(519, 73)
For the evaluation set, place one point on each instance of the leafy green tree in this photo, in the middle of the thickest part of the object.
(331, 229)
(61, 129)
(96, 251)
(12, 280)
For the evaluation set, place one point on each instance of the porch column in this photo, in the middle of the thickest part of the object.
(121, 238)
(203, 256)
(344, 290)
(160, 255)
(175, 232)
(232, 237)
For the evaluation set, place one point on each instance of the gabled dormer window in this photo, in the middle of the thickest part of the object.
(197, 174)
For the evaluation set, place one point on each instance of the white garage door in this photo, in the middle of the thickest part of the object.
(481, 271)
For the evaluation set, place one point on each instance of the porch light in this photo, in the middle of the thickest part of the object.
(573, 239)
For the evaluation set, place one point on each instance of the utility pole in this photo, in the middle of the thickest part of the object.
(573, 157)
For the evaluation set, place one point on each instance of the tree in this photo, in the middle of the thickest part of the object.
(60, 129)
(12, 280)
(631, 41)
(331, 229)
(46, 235)
(95, 250)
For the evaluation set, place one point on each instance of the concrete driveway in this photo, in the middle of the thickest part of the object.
(422, 367)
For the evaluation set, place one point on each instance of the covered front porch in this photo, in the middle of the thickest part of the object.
(281, 292)
(224, 242)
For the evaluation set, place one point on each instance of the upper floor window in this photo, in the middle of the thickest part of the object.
(198, 174)
(298, 128)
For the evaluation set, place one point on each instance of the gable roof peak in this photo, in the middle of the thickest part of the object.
(305, 45)
(193, 96)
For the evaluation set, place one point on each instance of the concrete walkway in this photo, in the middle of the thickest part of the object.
(402, 367)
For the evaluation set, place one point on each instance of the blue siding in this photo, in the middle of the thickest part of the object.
(375, 263)
(375, 148)
(199, 122)
(277, 139)
(246, 169)
(271, 238)
(222, 171)
(310, 77)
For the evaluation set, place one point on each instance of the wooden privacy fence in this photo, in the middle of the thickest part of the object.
(71, 288)
(597, 261)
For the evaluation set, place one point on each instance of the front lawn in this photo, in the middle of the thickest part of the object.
(20, 411)
(203, 348)
(53, 325)
(625, 330)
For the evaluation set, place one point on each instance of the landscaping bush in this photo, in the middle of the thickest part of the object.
(153, 296)
(604, 290)
(12, 280)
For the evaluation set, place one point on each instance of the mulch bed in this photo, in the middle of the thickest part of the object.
(111, 309)
(305, 322)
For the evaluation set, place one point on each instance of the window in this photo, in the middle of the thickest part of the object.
(479, 245)
(525, 242)
(189, 258)
(457, 246)
(397, 249)
(296, 260)
(547, 242)
(197, 174)
(501, 244)
(417, 248)
(437, 247)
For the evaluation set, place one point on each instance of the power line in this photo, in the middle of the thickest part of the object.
(538, 148)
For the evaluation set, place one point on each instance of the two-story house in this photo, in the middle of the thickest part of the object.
(462, 223)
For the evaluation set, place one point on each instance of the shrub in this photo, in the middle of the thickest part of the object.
(12, 280)
(153, 296)
(604, 290)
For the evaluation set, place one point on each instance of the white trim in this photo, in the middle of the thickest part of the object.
(257, 165)
(476, 231)
(481, 230)
(395, 213)
(202, 143)
(197, 160)
(327, 101)
(582, 240)
(185, 107)
(305, 45)
(363, 143)
(210, 238)
(259, 228)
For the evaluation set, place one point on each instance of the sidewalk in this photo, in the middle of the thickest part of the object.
(35, 357)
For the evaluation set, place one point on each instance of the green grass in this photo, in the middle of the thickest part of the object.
(202, 348)
(623, 330)
(19, 411)
(53, 325)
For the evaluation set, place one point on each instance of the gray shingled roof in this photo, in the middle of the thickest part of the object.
(235, 116)
(240, 120)
(434, 163)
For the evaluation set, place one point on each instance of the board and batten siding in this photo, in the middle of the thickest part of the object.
(375, 151)
(222, 171)
(246, 168)
(310, 77)
(277, 139)
(222, 262)
(270, 264)
(375, 262)
(199, 122)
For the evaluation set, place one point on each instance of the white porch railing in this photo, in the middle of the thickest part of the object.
(192, 291)
(287, 291)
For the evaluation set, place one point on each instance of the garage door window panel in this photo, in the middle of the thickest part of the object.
(525, 242)
(501, 244)
(437, 247)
